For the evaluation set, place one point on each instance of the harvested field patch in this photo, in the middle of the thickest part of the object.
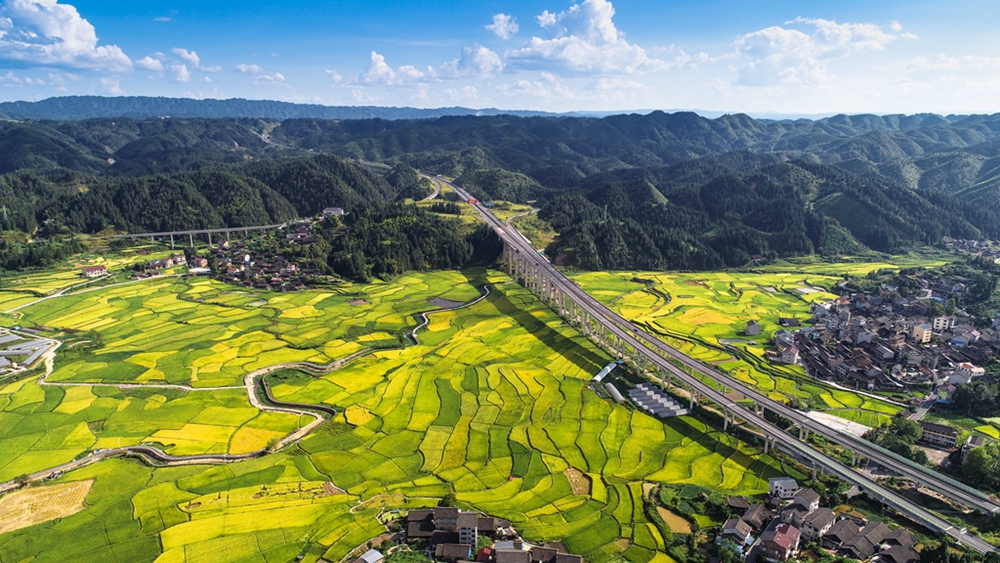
(676, 522)
(578, 481)
(28, 507)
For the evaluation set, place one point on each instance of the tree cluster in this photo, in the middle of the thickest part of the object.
(899, 436)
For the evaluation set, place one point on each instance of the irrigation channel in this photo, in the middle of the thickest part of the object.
(258, 394)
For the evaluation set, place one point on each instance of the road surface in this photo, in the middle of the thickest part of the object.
(662, 356)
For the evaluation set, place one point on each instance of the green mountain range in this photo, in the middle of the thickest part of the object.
(658, 190)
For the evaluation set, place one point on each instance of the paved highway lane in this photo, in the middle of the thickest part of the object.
(662, 357)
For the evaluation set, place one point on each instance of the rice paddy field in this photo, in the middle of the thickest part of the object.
(492, 406)
(704, 315)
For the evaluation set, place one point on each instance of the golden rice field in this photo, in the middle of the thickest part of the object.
(701, 313)
(492, 405)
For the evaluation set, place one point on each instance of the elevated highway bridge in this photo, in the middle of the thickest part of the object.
(705, 383)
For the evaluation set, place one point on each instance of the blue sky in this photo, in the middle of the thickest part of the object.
(778, 57)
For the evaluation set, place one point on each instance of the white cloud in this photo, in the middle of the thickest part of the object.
(583, 40)
(380, 73)
(475, 61)
(615, 83)
(547, 88)
(503, 26)
(334, 75)
(249, 69)
(179, 72)
(190, 57)
(262, 77)
(210, 68)
(112, 86)
(465, 94)
(149, 63)
(9, 78)
(162, 19)
(780, 55)
(963, 63)
(48, 33)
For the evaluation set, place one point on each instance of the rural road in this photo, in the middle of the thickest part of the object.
(437, 191)
(254, 386)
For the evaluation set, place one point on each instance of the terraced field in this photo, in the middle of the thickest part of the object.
(700, 313)
(492, 405)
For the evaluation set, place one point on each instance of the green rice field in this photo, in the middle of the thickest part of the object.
(492, 406)
(701, 314)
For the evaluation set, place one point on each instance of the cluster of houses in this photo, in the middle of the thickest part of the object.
(452, 535)
(978, 248)
(165, 263)
(793, 516)
(240, 265)
(879, 343)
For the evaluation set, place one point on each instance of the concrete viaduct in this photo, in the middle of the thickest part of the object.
(227, 232)
(704, 383)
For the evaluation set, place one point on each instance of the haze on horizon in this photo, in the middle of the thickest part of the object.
(555, 55)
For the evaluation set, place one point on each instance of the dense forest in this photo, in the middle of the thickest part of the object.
(629, 191)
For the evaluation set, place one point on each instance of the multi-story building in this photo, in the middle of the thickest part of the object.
(922, 333)
(938, 435)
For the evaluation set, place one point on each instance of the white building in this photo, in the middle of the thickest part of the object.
(943, 323)
(965, 373)
(782, 487)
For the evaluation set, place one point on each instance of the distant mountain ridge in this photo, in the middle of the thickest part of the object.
(73, 108)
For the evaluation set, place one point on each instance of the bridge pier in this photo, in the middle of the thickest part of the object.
(191, 239)
(227, 236)
(209, 239)
(171, 242)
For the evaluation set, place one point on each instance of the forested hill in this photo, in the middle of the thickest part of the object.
(245, 194)
(659, 190)
(70, 108)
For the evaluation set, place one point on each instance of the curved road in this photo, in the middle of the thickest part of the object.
(254, 385)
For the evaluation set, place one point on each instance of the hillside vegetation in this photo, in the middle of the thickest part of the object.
(628, 191)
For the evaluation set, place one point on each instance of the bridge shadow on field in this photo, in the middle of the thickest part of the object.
(585, 359)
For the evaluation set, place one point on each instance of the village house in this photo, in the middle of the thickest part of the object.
(738, 532)
(839, 533)
(780, 543)
(974, 441)
(94, 271)
(782, 487)
(817, 523)
(867, 541)
(757, 515)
